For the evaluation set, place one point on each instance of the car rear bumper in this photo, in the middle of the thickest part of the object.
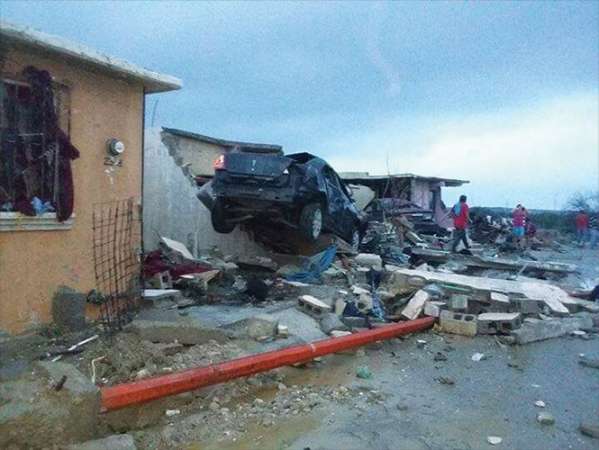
(240, 193)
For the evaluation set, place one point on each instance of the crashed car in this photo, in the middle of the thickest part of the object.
(300, 191)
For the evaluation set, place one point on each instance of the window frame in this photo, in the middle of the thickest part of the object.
(14, 220)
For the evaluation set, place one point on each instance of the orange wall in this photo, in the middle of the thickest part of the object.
(34, 263)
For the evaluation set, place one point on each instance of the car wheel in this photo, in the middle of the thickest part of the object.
(219, 219)
(355, 240)
(310, 222)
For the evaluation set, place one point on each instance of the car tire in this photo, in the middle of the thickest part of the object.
(219, 219)
(310, 221)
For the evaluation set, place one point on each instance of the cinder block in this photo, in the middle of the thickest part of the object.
(499, 302)
(493, 323)
(458, 323)
(527, 306)
(313, 306)
(68, 309)
(458, 303)
(433, 308)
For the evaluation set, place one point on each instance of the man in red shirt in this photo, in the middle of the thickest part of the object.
(461, 216)
(582, 226)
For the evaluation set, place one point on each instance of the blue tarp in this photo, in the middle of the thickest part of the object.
(317, 264)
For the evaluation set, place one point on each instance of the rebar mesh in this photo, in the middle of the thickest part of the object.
(116, 228)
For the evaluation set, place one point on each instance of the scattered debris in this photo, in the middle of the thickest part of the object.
(363, 372)
(446, 380)
(589, 362)
(494, 440)
(590, 429)
(478, 357)
(545, 418)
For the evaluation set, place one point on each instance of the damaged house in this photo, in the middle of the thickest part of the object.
(417, 196)
(71, 134)
(183, 160)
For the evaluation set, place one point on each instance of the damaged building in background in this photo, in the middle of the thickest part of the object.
(415, 196)
(70, 174)
(176, 163)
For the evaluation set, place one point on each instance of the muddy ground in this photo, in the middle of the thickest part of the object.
(406, 405)
(420, 392)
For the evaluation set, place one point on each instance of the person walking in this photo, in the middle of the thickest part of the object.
(461, 216)
(594, 230)
(518, 220)
(582, 226)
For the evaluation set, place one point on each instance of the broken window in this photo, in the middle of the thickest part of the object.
(35, 151)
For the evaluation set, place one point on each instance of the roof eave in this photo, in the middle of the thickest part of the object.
(153, 82)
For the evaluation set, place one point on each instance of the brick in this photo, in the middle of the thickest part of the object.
(494, 323)
(458, 323)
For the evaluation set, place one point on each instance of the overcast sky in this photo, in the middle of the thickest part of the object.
(505, 94)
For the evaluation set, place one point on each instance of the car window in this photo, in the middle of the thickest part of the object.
(331, 179)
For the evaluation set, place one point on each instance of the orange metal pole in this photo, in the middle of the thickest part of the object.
(137, 392)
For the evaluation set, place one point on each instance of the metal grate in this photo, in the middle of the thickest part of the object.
(117, 263)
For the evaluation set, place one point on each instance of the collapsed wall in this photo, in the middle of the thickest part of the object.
(171, 208)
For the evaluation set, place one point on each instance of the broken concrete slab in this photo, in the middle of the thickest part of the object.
(493, 323)
(331, 322)
(114, 442)
(369, 260)
(416, 305)
(154, 296)
(457, 323)
(555, 298)
(433, 308)
(256, 327)
(551, 328)
(184, 330)
(33, 414)
(177, 247)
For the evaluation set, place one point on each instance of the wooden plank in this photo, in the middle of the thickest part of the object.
(416, 305)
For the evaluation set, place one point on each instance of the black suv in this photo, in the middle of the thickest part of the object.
(301, 191)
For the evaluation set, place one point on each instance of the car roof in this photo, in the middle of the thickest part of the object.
(305, 158)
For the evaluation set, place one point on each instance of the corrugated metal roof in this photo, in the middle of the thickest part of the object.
(25, 36)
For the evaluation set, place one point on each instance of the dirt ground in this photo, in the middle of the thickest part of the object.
(424, 392)
(406, 404)
(420, 392)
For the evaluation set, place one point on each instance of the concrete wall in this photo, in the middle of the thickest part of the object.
(200, 155)
(171, 207)
(34, 263)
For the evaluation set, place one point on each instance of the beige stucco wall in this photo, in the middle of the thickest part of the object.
(34, 263)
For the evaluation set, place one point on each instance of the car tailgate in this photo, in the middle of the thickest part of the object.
(256, 165)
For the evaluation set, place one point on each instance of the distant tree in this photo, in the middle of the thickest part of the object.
(588, 201)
